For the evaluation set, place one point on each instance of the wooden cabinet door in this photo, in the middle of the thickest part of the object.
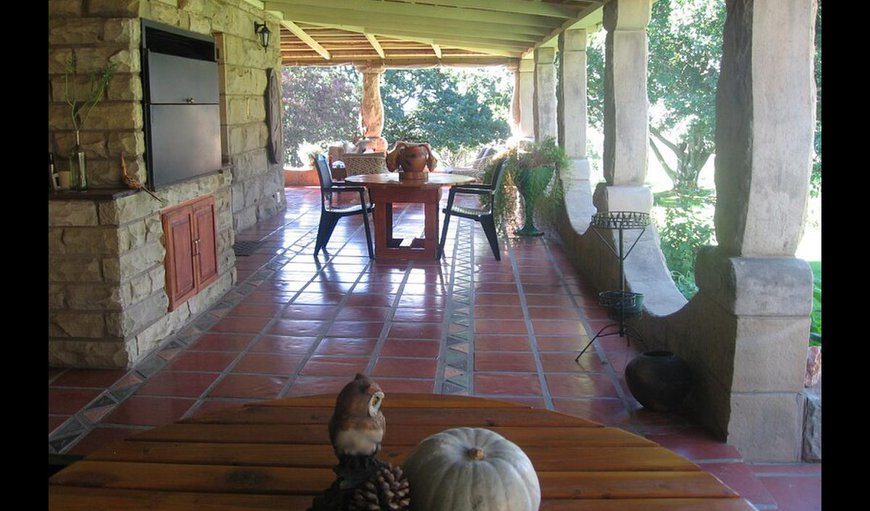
(180, 271)
(205, 246)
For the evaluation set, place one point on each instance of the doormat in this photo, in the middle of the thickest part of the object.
(246, 248)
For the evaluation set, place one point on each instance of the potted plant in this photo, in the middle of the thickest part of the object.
(80, 109)
(531, 167)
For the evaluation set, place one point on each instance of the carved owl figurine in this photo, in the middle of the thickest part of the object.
(357, 424)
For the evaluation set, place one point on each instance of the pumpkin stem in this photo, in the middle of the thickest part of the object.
(476, 453)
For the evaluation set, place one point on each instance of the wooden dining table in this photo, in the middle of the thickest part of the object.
(386, 190)
(276, 455)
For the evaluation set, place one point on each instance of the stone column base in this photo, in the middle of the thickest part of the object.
(747, 344)
(622, 198)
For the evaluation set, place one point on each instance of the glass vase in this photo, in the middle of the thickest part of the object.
(78, 167)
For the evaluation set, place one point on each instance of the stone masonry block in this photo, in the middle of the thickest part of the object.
(97, 297)
(56, 296)
(253, 191)
(89, 240)
(141, 259)
(93, 58)
(131, 142)
(64, 8)
(75, 30)
(105, 8)
(249, 164)
(208, 296)
(770, 354)
(812, 441)
(132, 235)
(127, 209)
(244, 218)
(199, 24)
(136, 318)
(767, 427)
(93, 143)
(245, 137)
(104, 354)
(67, 268)
(72, 213)
(123, 87)
(121, 30)
(767, 286)
(144, 285)
(154, 335)
(76, 324)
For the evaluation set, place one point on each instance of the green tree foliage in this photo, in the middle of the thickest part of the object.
(321, 104)
(685, 50)
(687, 227)
(685, 47)
(455, 110)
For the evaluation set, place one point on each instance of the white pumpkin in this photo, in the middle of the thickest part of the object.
(465, 469)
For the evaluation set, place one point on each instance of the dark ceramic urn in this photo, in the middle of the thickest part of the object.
(659, 380)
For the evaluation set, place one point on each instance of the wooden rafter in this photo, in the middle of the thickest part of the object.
(307, 39)
(427, 27)
(330, 9)
(376, 45)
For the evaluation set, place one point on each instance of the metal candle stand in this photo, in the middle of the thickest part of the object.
(624, 305)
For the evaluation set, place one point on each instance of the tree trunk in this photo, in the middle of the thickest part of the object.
(692, 154)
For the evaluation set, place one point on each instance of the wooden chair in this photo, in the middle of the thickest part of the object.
(330, 214)
(482, 214)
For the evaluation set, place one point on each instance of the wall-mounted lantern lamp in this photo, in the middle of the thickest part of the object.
(263, 33)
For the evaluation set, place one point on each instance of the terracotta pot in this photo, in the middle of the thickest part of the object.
(659, 380)
(414, 158)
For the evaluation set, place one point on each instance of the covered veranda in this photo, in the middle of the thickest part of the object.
(292, 325)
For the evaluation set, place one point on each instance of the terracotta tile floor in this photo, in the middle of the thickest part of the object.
(296, 325)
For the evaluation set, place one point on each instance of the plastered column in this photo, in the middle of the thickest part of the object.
(545, 94)
(372, 107)
(526, 100)
(572, 121)
(626, 107)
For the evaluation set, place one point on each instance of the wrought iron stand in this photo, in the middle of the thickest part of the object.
(622, 305)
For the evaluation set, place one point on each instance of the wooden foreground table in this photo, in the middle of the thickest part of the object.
(276, 455)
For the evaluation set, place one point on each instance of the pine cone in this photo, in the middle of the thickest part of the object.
(386, 490)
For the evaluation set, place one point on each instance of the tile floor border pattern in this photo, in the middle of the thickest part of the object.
(536, 354)
(71, 431)
(456, 357)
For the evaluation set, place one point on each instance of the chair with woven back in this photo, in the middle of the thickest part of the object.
(330, 214)
(483, 214)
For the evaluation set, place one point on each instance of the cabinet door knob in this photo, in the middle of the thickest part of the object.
(189, 100)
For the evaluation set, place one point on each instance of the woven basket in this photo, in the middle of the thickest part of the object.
(366, 163)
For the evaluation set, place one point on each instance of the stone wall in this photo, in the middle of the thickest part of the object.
(107, 299)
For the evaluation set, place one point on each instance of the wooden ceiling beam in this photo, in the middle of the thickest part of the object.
(426, 27)
(484, 45)
(376, 45)
(518, 7)
(307, 39)
(363, 9)
(586, 12)
(404, 63)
